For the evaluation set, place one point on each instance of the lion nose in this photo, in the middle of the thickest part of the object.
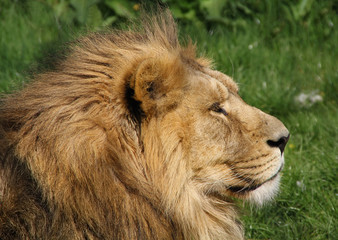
(281, 143)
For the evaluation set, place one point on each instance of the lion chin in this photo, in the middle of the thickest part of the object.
(259, 195)
(266, 192)
(262, 193)
(131, 136)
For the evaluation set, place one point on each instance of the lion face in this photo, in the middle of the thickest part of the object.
(242, 147)
(228, 148)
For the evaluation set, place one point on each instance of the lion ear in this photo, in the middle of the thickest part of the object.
(154, 80)
(147, 80)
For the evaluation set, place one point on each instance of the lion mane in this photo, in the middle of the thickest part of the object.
(132, 136)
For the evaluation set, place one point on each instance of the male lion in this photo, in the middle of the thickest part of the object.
(133, 137)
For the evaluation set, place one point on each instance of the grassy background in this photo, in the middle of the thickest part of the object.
(280, 65)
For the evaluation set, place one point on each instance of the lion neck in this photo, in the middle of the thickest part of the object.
(205, 217)
(190, 216)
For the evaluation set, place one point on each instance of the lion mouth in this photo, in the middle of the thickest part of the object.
(245, 189)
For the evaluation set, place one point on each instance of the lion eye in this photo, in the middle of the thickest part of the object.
(216, 107)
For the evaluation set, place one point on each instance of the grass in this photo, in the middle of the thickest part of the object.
(273, 70)
(28, 33)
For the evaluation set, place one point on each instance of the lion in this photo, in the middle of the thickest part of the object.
(132, 136)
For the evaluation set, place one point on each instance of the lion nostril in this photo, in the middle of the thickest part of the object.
(281, 143)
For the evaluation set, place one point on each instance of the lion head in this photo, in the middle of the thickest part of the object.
(133, 136)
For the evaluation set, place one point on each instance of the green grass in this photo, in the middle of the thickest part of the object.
(272, 70)
(28, 33)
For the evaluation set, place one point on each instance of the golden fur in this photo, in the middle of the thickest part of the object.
(133, 137)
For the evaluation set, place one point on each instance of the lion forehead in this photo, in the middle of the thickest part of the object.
(209, 86)
(222, 78)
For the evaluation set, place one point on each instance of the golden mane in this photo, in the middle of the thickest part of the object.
(97, 149)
